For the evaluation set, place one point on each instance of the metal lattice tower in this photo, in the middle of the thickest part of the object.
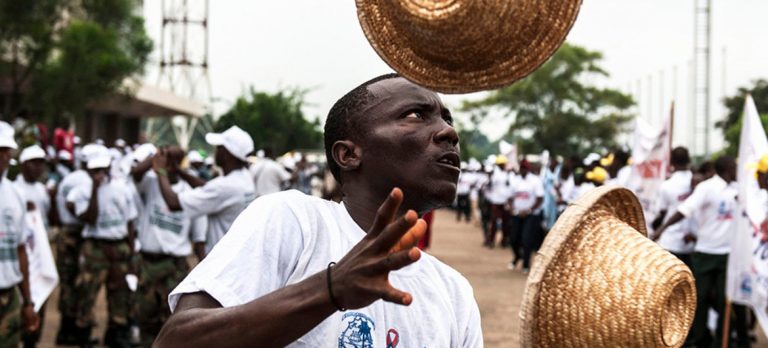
(184, 60)
(702, 60)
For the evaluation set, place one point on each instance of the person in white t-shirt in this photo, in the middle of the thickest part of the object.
(107, 209)
(224, 197)
(166, 238)
(467, 180)
(16, 315)
(268, 175)
(670, 195)
(527, 197)
(713, 205)
(497, 193)
(299, 271)
(32, 160)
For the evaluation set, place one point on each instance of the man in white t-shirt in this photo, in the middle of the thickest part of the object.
(713, 206)
(224, 197)
(497, 193)
(299, 271)
(467, 180)
(268, 175)
(166, 238)
(107, 209)
(527, 197)
(673, 192)
(17, 312)
(32, 160)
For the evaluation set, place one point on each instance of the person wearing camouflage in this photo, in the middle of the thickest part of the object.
(164, 236)
(107, 209)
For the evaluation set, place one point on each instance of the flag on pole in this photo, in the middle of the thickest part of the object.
(747, 280)
(650, 161)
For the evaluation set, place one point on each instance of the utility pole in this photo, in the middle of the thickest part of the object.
(702, 39)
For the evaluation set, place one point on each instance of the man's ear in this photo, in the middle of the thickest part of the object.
(347, 155)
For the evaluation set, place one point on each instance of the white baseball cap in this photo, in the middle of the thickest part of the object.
(100, 160)
(195, 157)
(64, 155)
(144, 151)
(6, 136)
(120, 142)
(31, 153)
(94, 150)
(235, 140)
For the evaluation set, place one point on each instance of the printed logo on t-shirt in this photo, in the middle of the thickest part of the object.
(356, 331)
(522, 195)
(724, 212)
(8, 243)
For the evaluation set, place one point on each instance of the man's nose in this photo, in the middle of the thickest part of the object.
(447, 134)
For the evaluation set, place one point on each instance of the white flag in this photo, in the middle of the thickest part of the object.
(43, 277)
(747, 281)
(650, 163)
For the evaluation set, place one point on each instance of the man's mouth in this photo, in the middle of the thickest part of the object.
(450, 159)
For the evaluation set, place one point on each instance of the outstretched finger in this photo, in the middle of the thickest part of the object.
(412, 237)
(398, 260)
(386, 212)
(395, 230)
(396, 296)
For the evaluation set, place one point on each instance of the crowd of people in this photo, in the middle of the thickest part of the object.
(131, 219)
(692, 215)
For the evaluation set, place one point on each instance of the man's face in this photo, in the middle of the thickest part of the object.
(33, 169)
(6, 154)
(408, 141)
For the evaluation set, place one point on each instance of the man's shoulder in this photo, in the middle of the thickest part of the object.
(450, 277)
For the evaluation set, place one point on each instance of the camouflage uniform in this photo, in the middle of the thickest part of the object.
(68, 244)
(104, 262)
(10, 318)
(159, 274)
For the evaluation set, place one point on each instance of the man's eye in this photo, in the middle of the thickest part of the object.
(413, 114)
(448, 120)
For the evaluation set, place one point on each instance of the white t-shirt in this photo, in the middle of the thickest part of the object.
(36, 193)
(498, 190)
(526, 190)
(12, 232)
(670, 195)
(284, 238)
(116, 208)
(580, 190)
(161, 230)
(268, 176)
(466, 180)
(713, 205)
(567, 188)
(480, 179)
(75, 179)
(221, 199)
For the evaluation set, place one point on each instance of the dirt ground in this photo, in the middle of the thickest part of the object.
(498, 291)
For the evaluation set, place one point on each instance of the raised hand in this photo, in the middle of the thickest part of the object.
(362, 276)
(160, 160)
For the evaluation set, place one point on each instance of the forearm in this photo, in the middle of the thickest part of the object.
(274, 320)
(91, 214)
(26, 294)
(199, 249)
(537, 205)
(170, 197)
(191, 179)
(138, 171)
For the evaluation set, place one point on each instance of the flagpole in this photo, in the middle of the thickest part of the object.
(726, 323)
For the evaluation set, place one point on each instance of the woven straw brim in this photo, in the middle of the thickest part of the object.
(462, 46)
(598, 281)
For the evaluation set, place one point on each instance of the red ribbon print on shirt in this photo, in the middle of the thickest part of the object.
(393, 338)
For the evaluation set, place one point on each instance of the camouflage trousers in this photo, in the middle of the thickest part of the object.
(158, 276)
(104, 263)
(10, 318)
(68, 244)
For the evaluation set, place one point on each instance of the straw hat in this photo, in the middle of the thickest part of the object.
(461, 46)
(599, 281)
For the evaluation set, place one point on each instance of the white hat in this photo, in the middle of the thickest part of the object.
(64, 155)
(195, 157)
(143, 151)
(100, 160)
(6, 136)
(94, 150)
(31, 153)
(209, 161)
(234, 139)
(120, 142)
(76, 140)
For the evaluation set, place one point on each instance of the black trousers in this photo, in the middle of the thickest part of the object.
(526, 237)
(463, 207)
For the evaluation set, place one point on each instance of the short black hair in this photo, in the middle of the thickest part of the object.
(342, 119)
(723, 163)
(680, 157)
(621, 157)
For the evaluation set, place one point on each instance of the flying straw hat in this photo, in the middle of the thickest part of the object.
(461, 46)
(598, 281)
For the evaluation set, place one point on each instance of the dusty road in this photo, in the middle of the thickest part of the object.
(498, 291)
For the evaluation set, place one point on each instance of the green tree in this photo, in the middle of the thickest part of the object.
(62, 55)
(731, 125)
(555, 109)
(274, 120)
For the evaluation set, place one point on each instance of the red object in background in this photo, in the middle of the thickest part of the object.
(424, 242)
(42, 130)
(64, 140)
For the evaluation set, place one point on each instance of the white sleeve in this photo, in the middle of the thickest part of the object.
(205, 200)
(469, 318)
(80, 198)
(538, 189)
(694, 201)
(197, 229)
(131, 211)
(255, 257)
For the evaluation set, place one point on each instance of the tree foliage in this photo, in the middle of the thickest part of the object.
(61, 55)
(274, 121)
(731, 125)
(555, 109)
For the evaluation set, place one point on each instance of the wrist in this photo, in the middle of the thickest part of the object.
(161, 172)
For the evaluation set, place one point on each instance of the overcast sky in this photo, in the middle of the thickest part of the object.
(319, 44)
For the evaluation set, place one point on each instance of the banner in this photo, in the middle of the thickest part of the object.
(650, 162)
(43, 277)
(747, 280)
